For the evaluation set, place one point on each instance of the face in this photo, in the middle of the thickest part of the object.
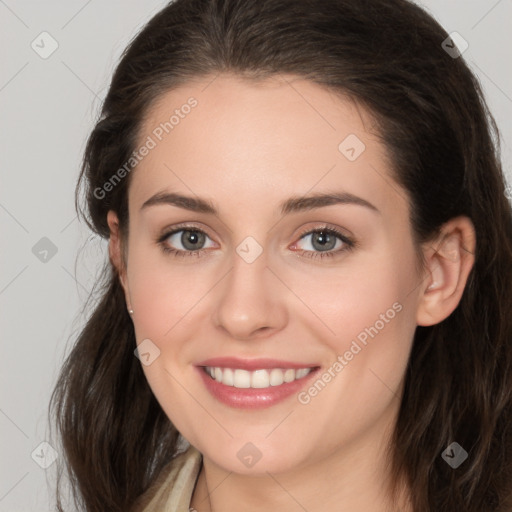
(318, 297)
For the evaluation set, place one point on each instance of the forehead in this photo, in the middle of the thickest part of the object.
(245, 142)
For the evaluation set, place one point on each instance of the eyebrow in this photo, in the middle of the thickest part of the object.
(291, 205)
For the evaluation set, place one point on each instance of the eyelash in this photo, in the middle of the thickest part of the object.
(349, 243)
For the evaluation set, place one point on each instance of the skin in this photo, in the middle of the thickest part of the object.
(247, 147)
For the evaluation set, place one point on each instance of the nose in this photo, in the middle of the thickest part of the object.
(251, 301)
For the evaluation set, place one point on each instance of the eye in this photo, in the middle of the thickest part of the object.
(189, 237)
(325, 240)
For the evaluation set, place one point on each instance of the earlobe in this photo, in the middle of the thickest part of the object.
(449, 262)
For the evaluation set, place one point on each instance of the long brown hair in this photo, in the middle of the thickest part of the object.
(432, 116)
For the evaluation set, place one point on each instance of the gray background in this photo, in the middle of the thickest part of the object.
(47, 108)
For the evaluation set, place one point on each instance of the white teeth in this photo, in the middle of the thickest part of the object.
(256, 379)
(301, 373)
(289, 375)
(228, 377)
(276, 377)
(241, 379)
(260, 379)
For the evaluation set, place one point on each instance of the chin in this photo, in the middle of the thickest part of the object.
(256, 457)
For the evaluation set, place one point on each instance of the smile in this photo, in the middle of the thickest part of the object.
(254, 383)
(258, 379)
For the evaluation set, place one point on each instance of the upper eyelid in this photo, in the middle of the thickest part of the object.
(171, 230)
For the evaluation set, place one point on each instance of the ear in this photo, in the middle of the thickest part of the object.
(115, 252)
(449, 261)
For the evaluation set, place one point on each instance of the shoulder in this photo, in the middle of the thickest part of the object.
(173, 488)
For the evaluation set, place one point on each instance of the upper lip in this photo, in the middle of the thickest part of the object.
(252, 364)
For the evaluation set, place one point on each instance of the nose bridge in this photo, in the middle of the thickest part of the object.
(250, 298)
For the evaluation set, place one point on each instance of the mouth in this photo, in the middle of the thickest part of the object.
(258, 379)
(253, 384)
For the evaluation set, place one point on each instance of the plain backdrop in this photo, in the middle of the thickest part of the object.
(48, 259)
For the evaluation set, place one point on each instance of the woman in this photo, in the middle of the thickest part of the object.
(308, 298)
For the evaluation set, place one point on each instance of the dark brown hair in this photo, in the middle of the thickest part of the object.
(387, 55)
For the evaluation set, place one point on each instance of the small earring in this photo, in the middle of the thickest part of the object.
(130, 311)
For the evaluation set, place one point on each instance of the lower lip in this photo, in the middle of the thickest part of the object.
(253, 398)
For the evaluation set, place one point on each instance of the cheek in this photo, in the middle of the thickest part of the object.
(367, 317)
(372, 322)
(162, 287)
(350, 300)
(162, 298)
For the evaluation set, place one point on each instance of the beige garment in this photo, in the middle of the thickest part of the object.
(172, 491)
